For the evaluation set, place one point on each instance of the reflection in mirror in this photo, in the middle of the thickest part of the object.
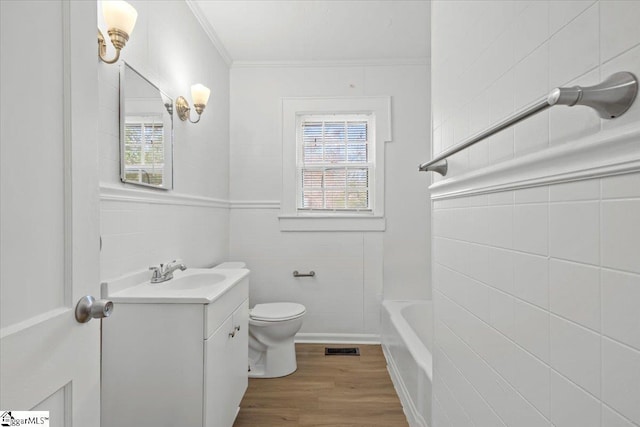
(146, 132)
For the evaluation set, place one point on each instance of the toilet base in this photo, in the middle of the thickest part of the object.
(273, 362)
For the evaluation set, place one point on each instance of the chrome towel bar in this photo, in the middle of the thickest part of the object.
(611, 98)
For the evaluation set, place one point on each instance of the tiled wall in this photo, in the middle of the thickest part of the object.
(490, 58)
(188, 221)
(536, 291)
(536, 296)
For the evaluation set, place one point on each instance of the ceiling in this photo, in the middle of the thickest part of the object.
(317, 30)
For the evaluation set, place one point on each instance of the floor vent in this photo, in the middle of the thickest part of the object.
(348, 351)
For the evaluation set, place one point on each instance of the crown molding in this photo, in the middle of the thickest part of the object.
(209, 31)
(332, 63)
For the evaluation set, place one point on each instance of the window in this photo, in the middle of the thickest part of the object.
(335, 163)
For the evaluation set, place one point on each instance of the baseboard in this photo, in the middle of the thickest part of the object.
(322, 338)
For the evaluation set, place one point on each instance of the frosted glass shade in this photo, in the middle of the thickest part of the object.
(200, 94)
(120, 15)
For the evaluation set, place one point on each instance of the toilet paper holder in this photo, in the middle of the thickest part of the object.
(309, 274)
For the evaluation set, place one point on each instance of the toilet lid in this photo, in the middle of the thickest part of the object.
(277, 311)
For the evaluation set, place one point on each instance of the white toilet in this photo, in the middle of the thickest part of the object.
(272, 327)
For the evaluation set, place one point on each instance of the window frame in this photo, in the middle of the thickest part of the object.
(293, 219)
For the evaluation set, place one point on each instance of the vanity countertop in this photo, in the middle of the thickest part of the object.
(192, 286)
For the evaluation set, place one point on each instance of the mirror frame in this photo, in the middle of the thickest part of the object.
(123, 70)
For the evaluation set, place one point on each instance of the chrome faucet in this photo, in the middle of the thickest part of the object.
(165, 271)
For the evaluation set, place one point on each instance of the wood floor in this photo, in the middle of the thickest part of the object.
(325, 391)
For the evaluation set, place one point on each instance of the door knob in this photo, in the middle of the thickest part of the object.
(89, 308)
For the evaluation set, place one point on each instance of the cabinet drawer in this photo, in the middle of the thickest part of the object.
(223, 307)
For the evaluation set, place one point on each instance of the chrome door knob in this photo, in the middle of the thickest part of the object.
(89, 308)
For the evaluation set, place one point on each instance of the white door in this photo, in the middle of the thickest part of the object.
(49, 218)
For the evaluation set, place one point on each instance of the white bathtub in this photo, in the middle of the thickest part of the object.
(407, 339)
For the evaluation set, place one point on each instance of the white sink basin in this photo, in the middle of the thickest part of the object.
(192, 281)
(194, 285)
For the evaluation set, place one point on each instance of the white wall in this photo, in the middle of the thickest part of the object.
(351, 267)
(142, 227)
(535, 289)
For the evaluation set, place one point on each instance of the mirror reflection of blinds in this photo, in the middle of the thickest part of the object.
(334, 165)
(144, 152)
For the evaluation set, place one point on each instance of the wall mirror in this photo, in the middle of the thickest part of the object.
(146, 132)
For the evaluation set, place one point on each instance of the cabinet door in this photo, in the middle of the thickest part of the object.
(226, 364)
(239, 362)
(219, 402)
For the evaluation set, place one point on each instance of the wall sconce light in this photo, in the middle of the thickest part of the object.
(200, 95)
(120, 17)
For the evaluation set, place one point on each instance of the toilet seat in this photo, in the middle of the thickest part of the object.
(276, 311)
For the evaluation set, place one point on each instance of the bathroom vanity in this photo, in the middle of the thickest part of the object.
(175, 353)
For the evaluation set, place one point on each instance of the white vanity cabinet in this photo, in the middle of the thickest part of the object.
(176, 363)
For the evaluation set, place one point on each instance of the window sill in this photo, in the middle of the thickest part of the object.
(332, 223)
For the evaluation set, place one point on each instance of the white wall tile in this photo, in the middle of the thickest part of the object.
(500, 220)
(561, 12)
(621, 186)
(453, 410)
(532, 195)
(571, 406)
(575, 191)
(621, 235)
(620, 313)
(532, 134)
(610, 418)
(574, 231)
(533, 28)
(532, 379)
(472, 402)
(501, 198)
(531, 228)
(574, 50)
(501, 271)
(531, 279)
(439, 416)
(479, 114)
(501, 312)
(479, 225)
(575, 353)
(501, 146)
(574, 292)
(502, 97)
(532, 329)
(619, 26)
(532, 77)
(621, 379)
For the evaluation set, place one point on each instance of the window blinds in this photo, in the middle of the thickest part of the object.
(144, 152)
(334, 163)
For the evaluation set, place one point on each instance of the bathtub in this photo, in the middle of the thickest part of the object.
(407, 340)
